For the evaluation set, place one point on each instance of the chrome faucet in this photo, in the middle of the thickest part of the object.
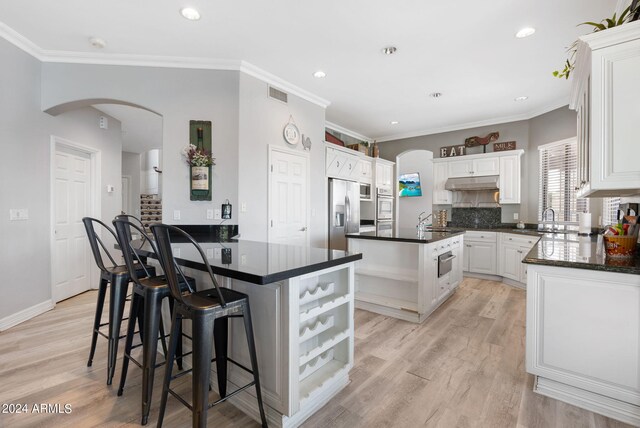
(421, 221)
(553, 217)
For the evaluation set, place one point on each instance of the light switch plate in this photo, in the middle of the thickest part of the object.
(243, 259)
(217, 214)
(217, 253)
(176, 252)
(176, 214)
(515, 216)
(16, 214)
(243, 207)
(209, 214)
(209, 253)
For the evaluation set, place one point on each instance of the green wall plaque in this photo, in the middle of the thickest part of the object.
(200, 177)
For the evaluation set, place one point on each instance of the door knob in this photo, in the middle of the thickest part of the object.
(304, 229)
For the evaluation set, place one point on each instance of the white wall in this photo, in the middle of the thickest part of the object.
(131, 168)
(419, 161)
(178, 95)
(25, 133)
(261, 122)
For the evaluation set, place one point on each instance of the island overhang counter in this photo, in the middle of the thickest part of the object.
(302, 308)
(404, 274)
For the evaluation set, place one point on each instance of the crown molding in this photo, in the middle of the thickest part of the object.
(346, 131)
(283, 85)
(94, 58)
(496, 121)
(18, 40)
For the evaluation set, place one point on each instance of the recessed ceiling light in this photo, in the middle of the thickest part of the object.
(394, 122)
(525, 32)
(389, 50)
(97, 42)
(520, 98)
(435, 94)
(190, 13)
(319, 74)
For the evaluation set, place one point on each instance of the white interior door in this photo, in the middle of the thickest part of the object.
(288, 197)
(72, 201)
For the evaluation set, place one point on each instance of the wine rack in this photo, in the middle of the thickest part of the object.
(150, 210)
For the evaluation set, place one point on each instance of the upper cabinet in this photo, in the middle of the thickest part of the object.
(505, 164)
(605, 95)
(351, 165)
(474, 167)
(384, 175)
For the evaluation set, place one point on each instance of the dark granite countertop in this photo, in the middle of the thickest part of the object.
(579, 252)
(405, 235)
(256, 262)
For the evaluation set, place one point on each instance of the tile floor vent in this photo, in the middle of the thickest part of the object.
(277, 94)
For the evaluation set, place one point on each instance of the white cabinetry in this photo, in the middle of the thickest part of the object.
(513, 248)
(510, 179)
(605, 94)
(474, 167)
(384, 174)
(583, 338)
(441, 196)
(365, 171)
(400, 279)
(480, 252)
(505, 164)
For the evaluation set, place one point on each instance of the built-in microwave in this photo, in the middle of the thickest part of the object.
(365, 192)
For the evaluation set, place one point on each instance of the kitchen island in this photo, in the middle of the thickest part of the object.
(302, 309)
(406, 275)
(583, 326)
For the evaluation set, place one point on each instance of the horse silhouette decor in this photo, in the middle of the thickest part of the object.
(482, 141)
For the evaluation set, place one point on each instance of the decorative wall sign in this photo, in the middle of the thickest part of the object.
(452, 151)
(482, 141)
(501, 147)
(291, 133)
(200, 137)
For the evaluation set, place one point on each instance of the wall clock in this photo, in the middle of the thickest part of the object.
(291, 133)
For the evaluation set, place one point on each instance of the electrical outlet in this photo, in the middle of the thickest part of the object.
(217, 253)
(243, 207)
(515, 216)
(16, 214)
(209, 253)
(209, 214)
(176, 214)
(217, 214)
(243, 259)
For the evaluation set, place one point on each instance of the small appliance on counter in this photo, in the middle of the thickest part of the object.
(344, 211)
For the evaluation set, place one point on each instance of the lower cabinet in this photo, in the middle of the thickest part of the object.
(583, 338)
(480, 252)
(513, 248)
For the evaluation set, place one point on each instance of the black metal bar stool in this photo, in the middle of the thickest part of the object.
(146, 303)
(208, 310)
(118, 277)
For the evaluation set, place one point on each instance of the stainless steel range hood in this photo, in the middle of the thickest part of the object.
(489, 182)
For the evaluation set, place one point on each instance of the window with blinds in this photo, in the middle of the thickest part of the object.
(610, 210)
(558, 182)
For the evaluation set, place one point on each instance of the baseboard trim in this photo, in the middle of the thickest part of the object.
(26, 314)
(597, 403)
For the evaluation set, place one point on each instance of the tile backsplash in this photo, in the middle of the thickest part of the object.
(476, 217)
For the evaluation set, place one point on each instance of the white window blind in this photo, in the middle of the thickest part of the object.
(558, 182)
(610, 210)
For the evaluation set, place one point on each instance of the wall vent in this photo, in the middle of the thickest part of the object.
(277, 94)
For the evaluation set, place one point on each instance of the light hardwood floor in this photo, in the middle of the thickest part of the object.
(463, 367)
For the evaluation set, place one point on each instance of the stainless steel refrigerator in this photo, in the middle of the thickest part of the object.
(344, 211)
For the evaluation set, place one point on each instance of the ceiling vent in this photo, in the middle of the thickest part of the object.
(277, 94)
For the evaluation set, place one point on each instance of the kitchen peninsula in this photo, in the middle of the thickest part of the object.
(302, 308)
(406, 275)
(583, 326)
